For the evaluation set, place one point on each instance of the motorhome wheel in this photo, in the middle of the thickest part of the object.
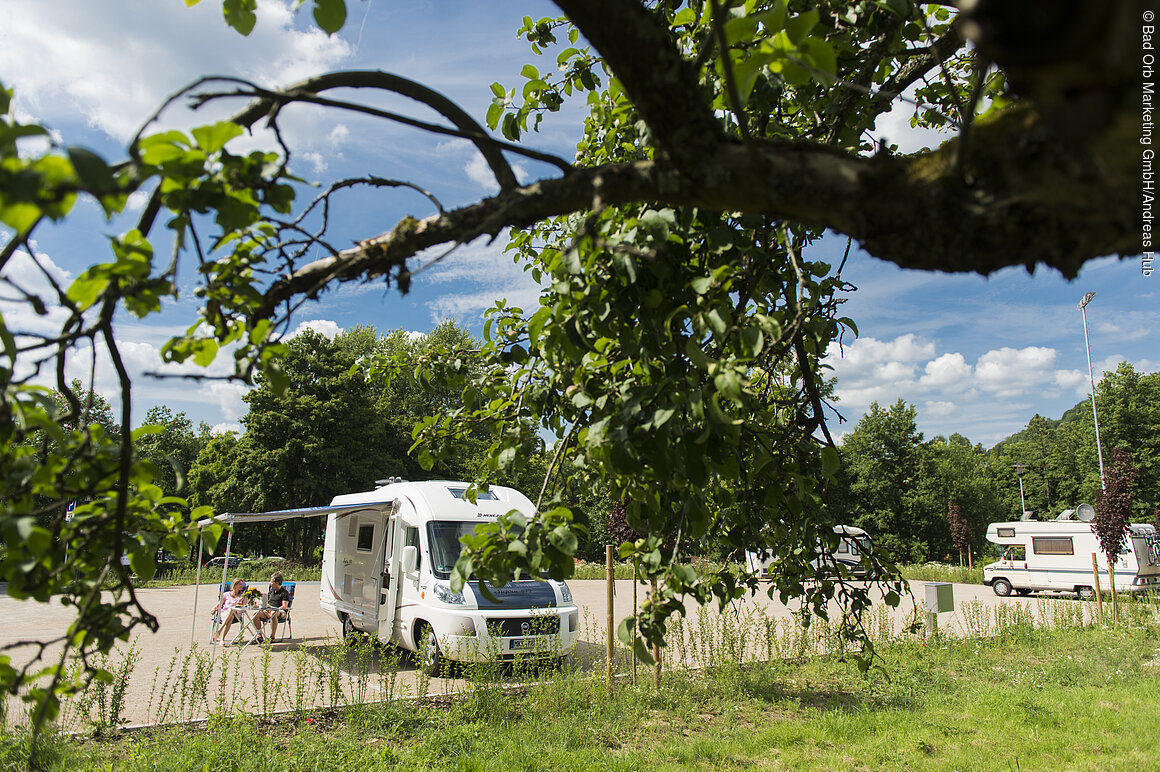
(429, 650)
(1085, 593)
(348, 629)
(1001, 587)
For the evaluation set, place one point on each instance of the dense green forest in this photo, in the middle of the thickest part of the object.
(347, 416)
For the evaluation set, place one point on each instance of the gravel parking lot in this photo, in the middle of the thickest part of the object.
(178, 660)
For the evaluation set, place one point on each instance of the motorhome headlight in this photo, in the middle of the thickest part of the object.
(565, 593)
(444, 593)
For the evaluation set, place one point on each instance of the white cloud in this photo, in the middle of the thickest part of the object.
(23, 274)
(482, 273)
(323, 327)
(1008, 372)
(115, 61)
(1072, 379)
(949, 371)
(894, 127)
(938, 409)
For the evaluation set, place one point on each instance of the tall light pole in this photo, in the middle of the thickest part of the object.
(1091, 377)
(1019, 470)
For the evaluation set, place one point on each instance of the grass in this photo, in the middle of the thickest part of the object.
(943, 572)
(260, 570)
(251, 571)
(1075, 696)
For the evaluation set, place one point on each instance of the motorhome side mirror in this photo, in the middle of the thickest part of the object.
(410, 558)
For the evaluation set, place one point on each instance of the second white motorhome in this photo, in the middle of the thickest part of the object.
(846, 555)
(386, 571)
(1056, 556)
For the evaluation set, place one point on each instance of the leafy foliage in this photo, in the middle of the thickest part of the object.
(1114, 504)
(960, 528)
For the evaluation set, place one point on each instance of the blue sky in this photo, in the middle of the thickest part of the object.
(978, 356)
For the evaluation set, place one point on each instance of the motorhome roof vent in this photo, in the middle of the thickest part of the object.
(389, 481)
(1067, 514)
(1085, 512)
(1028, 515)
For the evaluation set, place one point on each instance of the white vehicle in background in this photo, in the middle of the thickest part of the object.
(852, 544)
(386, 571)
(1056, 556)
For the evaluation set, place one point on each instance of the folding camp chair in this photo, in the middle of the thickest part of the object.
(285, 623)
(216, 618)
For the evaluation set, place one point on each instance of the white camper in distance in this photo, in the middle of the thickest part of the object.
(852, 544)
(1056, 556)
(386, 571)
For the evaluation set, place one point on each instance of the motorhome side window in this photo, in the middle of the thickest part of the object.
(411, 539)
(1006, 533)
(1015, 552)
(1052, 545)
(366, 537)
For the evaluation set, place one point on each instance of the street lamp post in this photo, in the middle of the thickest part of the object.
(1019, 470)
(1092, 379)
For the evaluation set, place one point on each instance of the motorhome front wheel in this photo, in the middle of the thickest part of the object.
(432, 656)
(1001, 587)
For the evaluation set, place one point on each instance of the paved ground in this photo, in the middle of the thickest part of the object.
(177, 675)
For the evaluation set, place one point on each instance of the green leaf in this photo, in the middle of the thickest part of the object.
(752, 341)
(240, 15)
(92, 170)
(87, 288)
(529, 71)
(498, 89)
(330, 15)
(158, 149)
(21, 216)
(830, 461)
(799, 26)
(213, 138)
(563, 538)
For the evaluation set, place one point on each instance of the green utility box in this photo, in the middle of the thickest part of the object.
(940, 596)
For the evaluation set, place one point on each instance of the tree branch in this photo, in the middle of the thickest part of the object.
(1030, 202)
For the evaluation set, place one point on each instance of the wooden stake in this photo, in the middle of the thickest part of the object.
(1096, 586)
(611, 577)
(656, 649)
(1112, 581)
(634, 613)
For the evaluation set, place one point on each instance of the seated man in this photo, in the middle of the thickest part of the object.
(277, 603)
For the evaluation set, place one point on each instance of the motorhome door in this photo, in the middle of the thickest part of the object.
(1014, 564)
(360, 551)
(390, 580)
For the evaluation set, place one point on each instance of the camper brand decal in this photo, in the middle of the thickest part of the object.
(524, 594)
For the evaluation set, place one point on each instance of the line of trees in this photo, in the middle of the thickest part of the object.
(338, 428)
(902, 488)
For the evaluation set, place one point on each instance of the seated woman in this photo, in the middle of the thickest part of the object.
(230, 605)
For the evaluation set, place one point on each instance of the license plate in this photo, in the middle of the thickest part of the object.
(522, 643)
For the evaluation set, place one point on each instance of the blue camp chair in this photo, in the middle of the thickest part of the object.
(286, 625)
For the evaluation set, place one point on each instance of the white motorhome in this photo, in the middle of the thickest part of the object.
(852, 544)
(386, 571)
(1056, 556)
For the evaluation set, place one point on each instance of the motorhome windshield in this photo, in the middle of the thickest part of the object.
(443, 536)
